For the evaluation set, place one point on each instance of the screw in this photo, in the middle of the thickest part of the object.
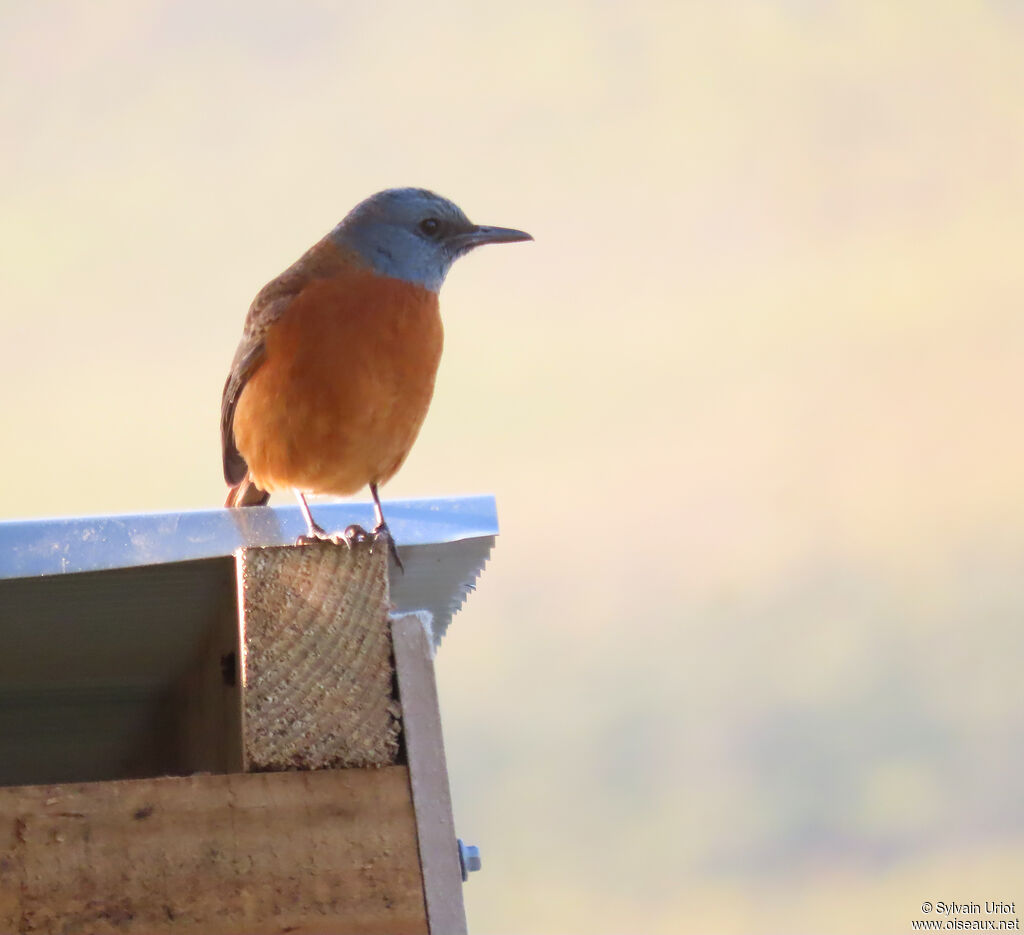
(469, 859)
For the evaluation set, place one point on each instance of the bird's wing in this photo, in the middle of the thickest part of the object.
(266, 308)
(318, 262)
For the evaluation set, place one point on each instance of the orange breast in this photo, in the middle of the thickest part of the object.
(344, 387)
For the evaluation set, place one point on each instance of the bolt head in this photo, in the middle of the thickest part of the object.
(469, 858)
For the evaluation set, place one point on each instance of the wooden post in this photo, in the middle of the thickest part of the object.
(316, 658)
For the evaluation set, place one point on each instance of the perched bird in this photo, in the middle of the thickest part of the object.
(335, 370)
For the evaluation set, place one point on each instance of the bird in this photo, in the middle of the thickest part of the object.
(335, 369)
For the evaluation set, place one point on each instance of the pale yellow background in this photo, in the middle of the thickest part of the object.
(748, 655)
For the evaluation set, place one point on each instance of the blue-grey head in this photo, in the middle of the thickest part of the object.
(415, 235)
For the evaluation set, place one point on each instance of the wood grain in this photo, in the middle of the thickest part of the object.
(318, 680)
(428, 770)
(332, 851)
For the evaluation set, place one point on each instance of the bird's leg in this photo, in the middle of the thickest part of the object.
(352, 534)
(381, 531)
(317, 533)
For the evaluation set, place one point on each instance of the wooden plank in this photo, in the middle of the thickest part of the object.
(88, 658)
(428, 775)
(331, 852)
(318, 681)
(198, 727)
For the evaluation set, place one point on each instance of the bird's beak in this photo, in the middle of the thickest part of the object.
(479, 235)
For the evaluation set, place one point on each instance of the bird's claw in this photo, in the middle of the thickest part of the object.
(317, 533)
(354, 535)
(381, 533)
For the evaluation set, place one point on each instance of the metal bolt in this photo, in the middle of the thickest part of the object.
(469, 859)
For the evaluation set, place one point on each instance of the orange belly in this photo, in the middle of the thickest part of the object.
(344, 386)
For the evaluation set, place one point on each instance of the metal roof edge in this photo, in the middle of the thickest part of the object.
(67, 545)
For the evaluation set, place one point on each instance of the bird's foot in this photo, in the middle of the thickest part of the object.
(317, 533)
(381, 533)
(352, 535)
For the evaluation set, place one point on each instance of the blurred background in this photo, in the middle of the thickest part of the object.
(748, 655)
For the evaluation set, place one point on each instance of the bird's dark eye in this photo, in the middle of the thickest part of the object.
(430, 226)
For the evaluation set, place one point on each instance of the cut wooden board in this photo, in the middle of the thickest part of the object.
(318, 680)
(332, 851)
(428, 770)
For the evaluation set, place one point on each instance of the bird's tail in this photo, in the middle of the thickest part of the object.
(246, 493)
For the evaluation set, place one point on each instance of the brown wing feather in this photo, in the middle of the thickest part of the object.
(247, 359)
(246, 494)
(267, 307)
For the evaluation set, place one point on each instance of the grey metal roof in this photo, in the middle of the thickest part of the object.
(444, 543)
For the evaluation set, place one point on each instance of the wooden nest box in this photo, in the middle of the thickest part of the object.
(204, 729)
